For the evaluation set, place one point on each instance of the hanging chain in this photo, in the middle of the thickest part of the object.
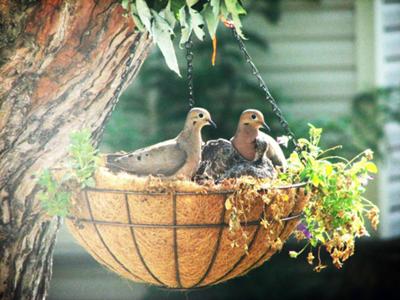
(123, 82)
(263, 86)
(189, 60)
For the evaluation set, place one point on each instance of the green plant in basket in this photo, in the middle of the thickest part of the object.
(334, 215)
(336, 212)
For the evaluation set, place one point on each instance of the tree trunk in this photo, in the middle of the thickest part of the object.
(63, 65)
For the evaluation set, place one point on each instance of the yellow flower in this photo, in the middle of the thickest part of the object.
(310, 258)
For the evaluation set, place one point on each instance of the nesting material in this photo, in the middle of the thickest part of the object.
(175, 234)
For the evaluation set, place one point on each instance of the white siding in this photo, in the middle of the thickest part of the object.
(311, 59)
(390, 183)
(387, 31)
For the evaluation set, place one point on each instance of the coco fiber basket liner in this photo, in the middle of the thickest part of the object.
(175, 234)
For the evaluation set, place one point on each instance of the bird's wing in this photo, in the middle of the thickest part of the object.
(274, 151)
(214, 148)
(261, 148)
(214, 157)
(164, 158)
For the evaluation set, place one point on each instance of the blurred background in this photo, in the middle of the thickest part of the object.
(332, 63)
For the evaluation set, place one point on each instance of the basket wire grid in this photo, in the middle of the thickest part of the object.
(174, 226)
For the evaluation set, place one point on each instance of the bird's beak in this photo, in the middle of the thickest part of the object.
(264, 125)
(212, 123)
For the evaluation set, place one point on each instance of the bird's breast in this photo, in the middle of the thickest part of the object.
(245, 149)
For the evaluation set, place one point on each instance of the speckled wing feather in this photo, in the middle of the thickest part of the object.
(274, 151)
(164, 158)
(220, 160)
(215, 157)
(261, 148)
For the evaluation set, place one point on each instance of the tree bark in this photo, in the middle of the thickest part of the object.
(63, 65)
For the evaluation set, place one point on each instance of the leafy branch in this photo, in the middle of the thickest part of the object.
(164, 19)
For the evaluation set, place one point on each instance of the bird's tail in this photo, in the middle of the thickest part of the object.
(112, 164)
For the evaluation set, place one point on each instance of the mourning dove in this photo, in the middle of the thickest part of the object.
(251, 143)
(250, 152)
(178, 157)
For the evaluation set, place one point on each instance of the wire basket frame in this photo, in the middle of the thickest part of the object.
(199, 255)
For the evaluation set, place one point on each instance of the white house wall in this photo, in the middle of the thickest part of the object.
(387, 34)
(312, 56)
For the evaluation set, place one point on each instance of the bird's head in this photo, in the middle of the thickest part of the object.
(199, 117)
(253, 118)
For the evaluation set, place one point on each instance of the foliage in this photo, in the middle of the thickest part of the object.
(54, 198)
(83, 158)
(371, 110)
(336, 212)
(82, 161)
(161, 17)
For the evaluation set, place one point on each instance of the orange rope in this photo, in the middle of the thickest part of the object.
(214, 53)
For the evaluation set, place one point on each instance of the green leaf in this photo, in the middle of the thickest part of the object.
(168, 15)
(136, 18)
(238, 24)
(90, 182)
(159, 4)
(162, 37)
(293, 254)
(176, 6)
(186, 27)
(215, 7)
(197, 23)
(224, 11)
(212, 20)
(320, 237)
(315, 180)
(190, 3)
(144, 14)
(125, 4)
(235, 9)
(231, 6)
(44, 178)
(328, 169)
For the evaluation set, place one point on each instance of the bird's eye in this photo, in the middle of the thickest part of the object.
(201, 115)
(253, 116)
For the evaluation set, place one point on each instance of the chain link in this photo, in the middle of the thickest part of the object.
(122, 83)
(189, 60)
(264, 87)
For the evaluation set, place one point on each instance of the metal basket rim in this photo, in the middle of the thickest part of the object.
(201, 193)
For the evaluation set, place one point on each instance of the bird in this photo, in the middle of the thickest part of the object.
(252, 143)
(249, 152)
(178, 157)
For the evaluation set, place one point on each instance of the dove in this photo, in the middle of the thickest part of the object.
(249, 152)
(178, 157)
(251, 143)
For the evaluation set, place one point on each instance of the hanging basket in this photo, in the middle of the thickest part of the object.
(178, 237)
